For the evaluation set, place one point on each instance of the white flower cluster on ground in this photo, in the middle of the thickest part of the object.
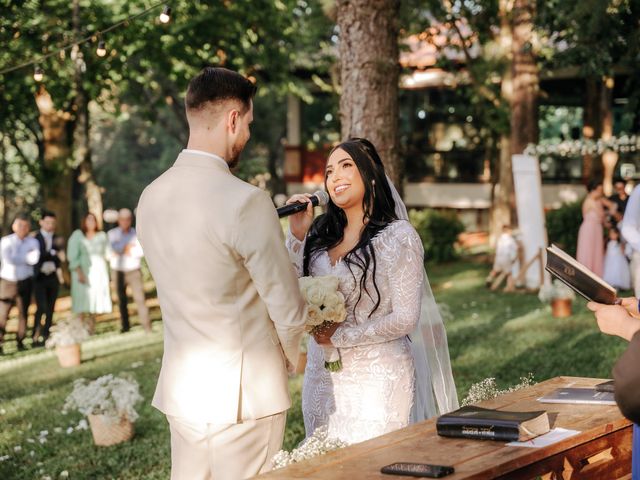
(67, 332)
(317, 444)
(555, 291)
(109, 395)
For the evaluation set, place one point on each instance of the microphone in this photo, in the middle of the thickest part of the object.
(318, 198)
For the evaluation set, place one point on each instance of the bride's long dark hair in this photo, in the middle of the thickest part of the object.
(327, 230)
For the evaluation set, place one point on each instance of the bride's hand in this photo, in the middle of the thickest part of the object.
(323, 335)
(300, 222)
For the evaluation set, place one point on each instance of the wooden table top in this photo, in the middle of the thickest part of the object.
(472, 459)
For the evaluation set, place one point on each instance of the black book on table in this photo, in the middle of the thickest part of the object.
(578, 277)
(488, 424)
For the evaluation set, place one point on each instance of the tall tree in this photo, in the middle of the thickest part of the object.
(369, 73)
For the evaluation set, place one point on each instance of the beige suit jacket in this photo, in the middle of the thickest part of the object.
(230, 301)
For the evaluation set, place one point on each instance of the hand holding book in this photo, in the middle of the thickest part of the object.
(620, 320)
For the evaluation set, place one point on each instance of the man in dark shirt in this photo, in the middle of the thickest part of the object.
(620, 198)
(45, 279)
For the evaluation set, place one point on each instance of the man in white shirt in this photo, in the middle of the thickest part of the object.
(45, 276)
(631, 233)
(126, 255)
(19, 253)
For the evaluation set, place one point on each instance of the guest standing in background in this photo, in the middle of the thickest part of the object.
(87, 255)
(19, 253)
(45, 276)
(590, 251)
(126, 255)
(620, 198)
(616, 265)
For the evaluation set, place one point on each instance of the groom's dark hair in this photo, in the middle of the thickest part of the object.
(216, 84)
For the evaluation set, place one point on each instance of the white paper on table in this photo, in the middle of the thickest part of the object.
(549, 438)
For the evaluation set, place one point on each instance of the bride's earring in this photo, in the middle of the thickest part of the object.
(373, 184)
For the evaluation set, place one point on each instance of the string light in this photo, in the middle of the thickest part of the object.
(165, 16)
(102, 50)
(38, 74)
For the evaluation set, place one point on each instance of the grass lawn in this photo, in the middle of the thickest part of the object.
(491, 334)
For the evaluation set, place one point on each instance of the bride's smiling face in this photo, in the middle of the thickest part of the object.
(343, 180)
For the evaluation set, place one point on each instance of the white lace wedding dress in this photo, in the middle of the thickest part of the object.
(374, 392)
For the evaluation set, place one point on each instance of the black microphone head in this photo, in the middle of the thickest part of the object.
(322, 196)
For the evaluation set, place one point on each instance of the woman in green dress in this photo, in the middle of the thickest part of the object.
(87, 253)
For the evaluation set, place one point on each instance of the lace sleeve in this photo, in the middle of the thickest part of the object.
(404, 266)
(296, 252)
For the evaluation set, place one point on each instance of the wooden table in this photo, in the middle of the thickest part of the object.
(602, 451)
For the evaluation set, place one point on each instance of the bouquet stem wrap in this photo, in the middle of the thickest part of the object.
(332, 361)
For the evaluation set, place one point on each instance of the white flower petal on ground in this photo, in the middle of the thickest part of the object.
(64, 474)
(17, 448)
(57, 430)
(69, 430)
(82, 425)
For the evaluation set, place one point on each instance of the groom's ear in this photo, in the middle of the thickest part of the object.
(232, 120)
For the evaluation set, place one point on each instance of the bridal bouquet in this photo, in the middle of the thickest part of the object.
(325, 306)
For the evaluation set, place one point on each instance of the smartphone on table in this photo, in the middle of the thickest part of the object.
(417, 470)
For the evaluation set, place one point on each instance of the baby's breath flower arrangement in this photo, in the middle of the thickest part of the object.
(317, 444)
(325, 305)
(112, 396)
(487, 389)
(67, 332)
(555, 291)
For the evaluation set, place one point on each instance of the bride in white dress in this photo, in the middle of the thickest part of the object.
(393, 348)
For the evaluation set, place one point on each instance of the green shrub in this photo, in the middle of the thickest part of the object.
(439, 232)
(563, 225)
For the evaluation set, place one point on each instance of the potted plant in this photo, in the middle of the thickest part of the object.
(559, 296)
(109, 404)
(66, 337)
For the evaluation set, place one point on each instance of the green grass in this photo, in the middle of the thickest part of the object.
(491, 334)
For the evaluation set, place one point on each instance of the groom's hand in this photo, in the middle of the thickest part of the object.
(322, 335)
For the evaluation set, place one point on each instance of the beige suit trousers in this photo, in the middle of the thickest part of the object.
(207, 451)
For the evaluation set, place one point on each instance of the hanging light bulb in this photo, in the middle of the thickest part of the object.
(165, 16)
(38, 74)
(102, 49)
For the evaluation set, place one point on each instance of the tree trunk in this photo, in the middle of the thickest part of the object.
(4, 227)
(592, 128)
(609, 158)
(369, 73)
(503, 208)
(524, 97)
(57, 175)
(82, 148)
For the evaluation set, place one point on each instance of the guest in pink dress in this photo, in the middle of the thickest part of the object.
(590, 250)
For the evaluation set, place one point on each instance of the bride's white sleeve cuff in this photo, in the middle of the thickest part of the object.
(296, 251)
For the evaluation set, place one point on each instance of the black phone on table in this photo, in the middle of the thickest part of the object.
(417, 470)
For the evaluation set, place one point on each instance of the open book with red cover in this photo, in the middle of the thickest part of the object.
(579, 278)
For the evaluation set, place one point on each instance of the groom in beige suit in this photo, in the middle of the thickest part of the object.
(232, 311)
